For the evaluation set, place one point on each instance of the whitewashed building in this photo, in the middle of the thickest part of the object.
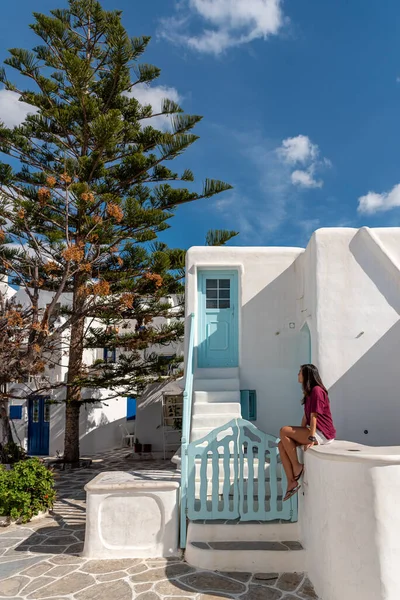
(253, 316)
(105, 424)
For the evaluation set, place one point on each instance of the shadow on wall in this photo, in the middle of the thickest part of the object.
(367, 395)
(272, 349)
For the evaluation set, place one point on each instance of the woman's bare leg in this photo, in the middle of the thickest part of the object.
(287, 467)
(291, 438)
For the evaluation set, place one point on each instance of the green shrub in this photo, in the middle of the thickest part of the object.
(26, 489)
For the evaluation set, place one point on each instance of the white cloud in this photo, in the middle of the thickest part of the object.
(154, 95)
(300, 151)
(12, 111)
(373, 202)
(225, 23)
(305, 179)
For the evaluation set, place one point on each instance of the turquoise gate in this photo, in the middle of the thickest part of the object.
(234, 473)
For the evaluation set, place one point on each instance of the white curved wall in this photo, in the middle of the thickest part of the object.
(350, 522)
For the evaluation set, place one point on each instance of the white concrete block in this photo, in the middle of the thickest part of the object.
(128, 517)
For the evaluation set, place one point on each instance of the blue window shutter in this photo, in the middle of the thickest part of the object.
(248, 404)
(244, 404)
(16, 412)
(130, 408)
(252, 405)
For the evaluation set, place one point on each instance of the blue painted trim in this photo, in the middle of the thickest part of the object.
(231, 360)
(186, 423)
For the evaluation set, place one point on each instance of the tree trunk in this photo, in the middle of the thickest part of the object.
(73, 399)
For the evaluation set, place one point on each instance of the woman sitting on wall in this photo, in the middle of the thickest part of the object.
(316, 427)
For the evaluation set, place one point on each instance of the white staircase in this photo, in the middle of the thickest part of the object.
(245, 547)
(216, 400)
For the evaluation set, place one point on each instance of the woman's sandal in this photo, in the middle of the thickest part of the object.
(300, 474)
(291, 493)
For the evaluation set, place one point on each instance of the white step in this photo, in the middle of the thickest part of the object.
(198, 434)
(220, 384)
(250, 556)
(211, 421)
(217, 397)
(217, 408)
(246, 532)
(228, 373)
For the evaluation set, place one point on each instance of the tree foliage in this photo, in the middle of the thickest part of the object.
(87, 185)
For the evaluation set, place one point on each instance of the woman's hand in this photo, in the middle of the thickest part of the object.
(307, 446)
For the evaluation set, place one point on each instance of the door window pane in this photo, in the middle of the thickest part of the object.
(218, 294)
(47, 412)
(35, 415)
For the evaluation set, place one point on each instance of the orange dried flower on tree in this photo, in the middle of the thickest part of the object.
(44, 195)
(127, 300)
(2, 236)
(14, 318)
(51, 266)
(73, 253)
(88, 197)
(36, 348)
(51, 181)
(86, 267)
(120, 261)
(158, 280)
(21, 213)
(115, 211)
(98, 219)
(36, 326)
(101, 288)
(66, 178)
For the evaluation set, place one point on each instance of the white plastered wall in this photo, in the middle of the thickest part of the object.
(271, 344)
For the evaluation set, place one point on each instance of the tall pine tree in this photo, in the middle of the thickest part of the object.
(86, 186)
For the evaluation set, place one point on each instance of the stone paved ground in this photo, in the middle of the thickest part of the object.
(41, 560)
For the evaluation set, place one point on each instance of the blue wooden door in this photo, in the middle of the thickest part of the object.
(38, 426)
(218, 343)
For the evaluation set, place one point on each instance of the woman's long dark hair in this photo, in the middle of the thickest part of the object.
(311, 378)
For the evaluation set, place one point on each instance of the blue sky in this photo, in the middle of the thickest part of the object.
(301, 105)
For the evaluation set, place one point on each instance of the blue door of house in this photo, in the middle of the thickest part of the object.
(218, 331)
(38, 426)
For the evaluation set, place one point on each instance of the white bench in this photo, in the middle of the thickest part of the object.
(131, 517)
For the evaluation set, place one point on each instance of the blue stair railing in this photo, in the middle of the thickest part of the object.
(186, 425)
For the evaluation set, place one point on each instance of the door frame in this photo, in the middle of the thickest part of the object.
(218, 272)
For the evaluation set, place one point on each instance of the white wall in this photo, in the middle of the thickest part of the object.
(345, 287)
(350, 525)
(270, 350)
(354, 317)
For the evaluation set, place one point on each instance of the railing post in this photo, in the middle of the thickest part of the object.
(186, 422)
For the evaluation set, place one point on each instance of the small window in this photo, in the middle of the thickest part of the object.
(16, 412)
(47, 412)
(35, 415)
(130, 408)
(248, 403)
(218, 293)
(110, 355)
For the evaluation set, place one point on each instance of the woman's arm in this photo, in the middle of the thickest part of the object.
(304, 421)
(313, 424)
